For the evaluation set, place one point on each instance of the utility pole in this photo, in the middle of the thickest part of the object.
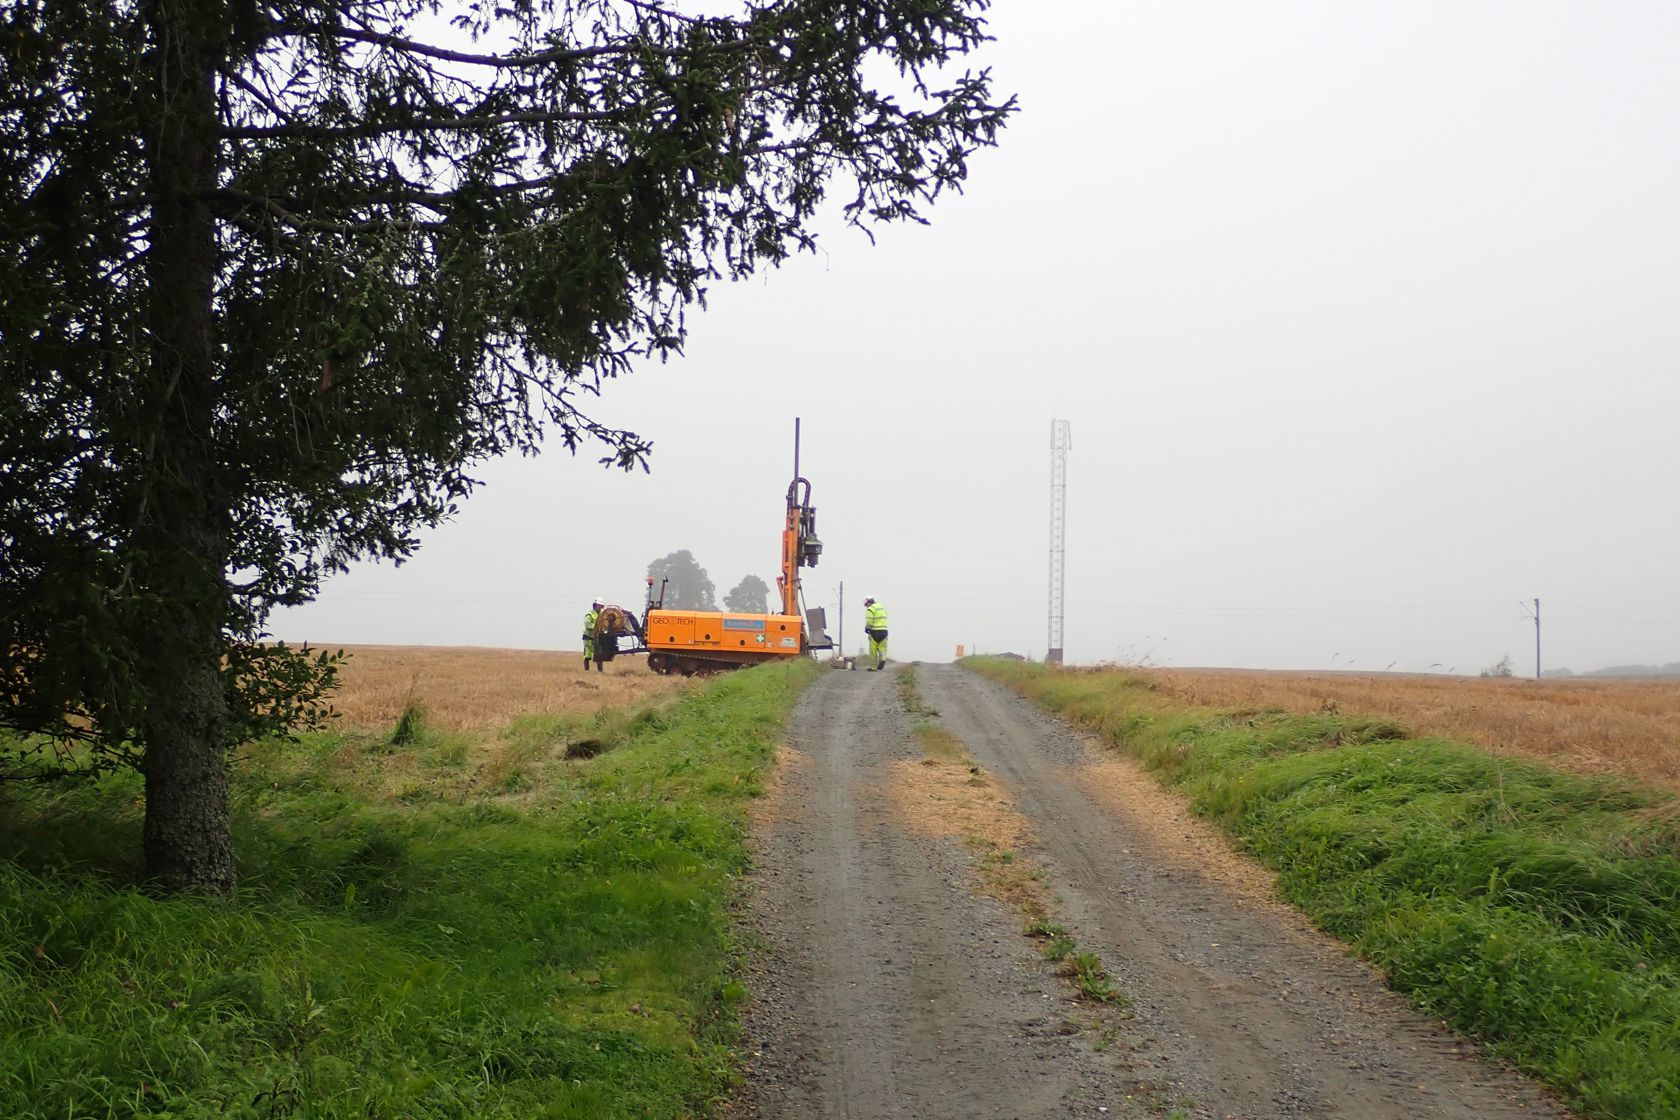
(840, 627)
(1535, 614)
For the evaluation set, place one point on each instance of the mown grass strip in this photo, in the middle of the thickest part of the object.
(1537, 910)
(532, 937)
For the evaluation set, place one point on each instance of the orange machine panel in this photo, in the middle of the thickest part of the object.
(710, 631)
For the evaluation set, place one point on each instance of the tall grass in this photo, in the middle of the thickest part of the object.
(1536, 909)
(452, 943)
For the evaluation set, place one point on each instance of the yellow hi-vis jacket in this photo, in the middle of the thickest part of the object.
(875, 617)
(589, 618)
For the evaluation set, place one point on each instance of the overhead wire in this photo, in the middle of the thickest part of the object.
(917, 602)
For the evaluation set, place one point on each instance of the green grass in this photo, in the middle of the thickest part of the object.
(910, 693)
(937, 743)
(552, 941)
(1537, 910)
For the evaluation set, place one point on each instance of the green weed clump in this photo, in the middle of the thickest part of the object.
(1537, 910)
(1083, 968)
(552, 945)
(411, 725)
(938, 744)
(910, 694)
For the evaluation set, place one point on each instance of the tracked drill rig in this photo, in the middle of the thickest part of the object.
(689, 642)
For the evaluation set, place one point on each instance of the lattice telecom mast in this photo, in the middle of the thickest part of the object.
(1061, 442)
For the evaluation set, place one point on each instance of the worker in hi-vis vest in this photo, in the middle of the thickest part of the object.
(589, 618)
(875, 625)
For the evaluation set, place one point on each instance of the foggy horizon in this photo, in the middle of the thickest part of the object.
(1363, 318)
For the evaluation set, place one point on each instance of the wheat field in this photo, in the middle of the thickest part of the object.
(1587, 726)
(466, 688)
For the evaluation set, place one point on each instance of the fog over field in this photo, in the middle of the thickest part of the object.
(1364, 317)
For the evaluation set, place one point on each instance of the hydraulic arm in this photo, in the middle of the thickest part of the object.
(687, 642)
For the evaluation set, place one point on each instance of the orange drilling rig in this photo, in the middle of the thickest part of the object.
(689, 642)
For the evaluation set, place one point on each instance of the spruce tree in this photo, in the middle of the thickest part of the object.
(278, 274)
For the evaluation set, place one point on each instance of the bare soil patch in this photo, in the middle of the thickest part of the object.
(773, 805)
(953, 799)
(1165, 828)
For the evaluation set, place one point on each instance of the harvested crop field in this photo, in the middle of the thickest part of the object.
(466, 688)
(1630, 728)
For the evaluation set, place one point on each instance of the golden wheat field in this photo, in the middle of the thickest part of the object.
(1588, 726)
(470, 688)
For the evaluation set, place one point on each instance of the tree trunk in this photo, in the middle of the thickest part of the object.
(188, 841)
(181, 544)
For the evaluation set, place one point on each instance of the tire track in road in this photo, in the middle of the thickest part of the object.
(886, 988)
(1241, 1004)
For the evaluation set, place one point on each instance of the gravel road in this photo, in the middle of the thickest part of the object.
(885, 985)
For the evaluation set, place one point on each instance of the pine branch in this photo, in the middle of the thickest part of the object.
(416, 125)
(631, 49)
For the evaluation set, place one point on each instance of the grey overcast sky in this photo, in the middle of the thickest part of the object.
(1366, 317)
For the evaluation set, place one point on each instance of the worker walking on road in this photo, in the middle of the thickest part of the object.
(589, 619)
(875, 625)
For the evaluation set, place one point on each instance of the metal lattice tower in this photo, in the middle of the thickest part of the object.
(1061, 442)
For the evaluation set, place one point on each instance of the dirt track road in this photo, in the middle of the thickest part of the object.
(888, 987)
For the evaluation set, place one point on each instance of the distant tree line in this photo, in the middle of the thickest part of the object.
(1671, 669)
(687, 587)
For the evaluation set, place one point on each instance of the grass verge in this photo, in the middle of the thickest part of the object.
(1537, 910)
(448, 928)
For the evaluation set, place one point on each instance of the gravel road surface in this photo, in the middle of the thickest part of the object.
(885, 985)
